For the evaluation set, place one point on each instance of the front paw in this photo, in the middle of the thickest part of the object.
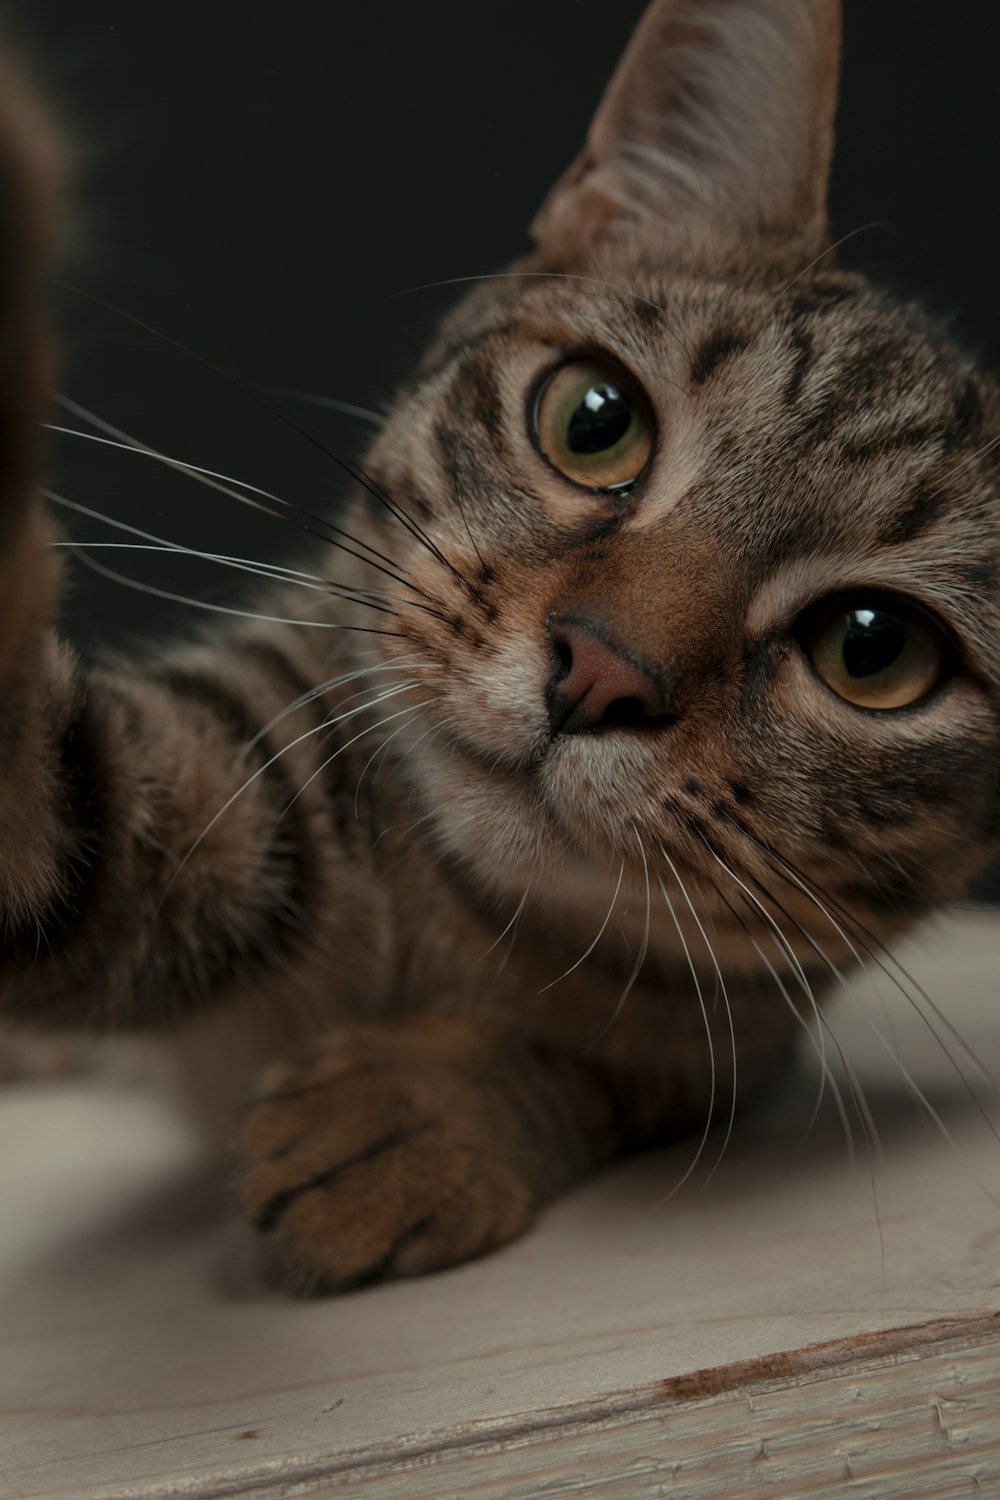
(384, 1154)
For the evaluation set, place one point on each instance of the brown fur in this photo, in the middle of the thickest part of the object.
(388, 902)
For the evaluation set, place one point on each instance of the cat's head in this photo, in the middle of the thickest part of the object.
(706, 531)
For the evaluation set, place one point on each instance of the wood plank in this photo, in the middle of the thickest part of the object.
(626, 1346)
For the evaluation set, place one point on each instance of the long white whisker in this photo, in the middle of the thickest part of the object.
(711, 1048)
(511, 924)
(640, 956)
(917, 1092)
(321, 689)
(788, 873)
(412, 709)
(219, 609)
(274, 571)
(725, 1000)
(380, 750)
(857, 1092)
(600, 933)
(383, 776)
(393, 827)
(330, 403)
(818, 1044)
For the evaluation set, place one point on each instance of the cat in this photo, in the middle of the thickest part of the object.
(647, 680)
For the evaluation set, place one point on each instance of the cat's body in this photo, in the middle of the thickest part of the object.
(535, 837)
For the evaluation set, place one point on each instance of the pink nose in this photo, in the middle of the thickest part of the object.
(596, 685)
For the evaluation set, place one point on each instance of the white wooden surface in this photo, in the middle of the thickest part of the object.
(730, 1341)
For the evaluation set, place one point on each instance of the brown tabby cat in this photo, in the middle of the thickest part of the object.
(651, 678)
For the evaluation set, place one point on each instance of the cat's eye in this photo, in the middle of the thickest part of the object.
(593, 424)
(880, 653)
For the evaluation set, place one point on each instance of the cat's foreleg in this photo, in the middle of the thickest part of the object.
(393, 1152)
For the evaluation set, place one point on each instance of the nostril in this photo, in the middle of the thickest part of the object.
(628, 713)
(563, 653)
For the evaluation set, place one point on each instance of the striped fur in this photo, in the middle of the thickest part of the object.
(453, 961)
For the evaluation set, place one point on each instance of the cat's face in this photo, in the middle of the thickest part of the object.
(707, 535)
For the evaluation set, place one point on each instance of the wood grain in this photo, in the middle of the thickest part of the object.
(788, 1326)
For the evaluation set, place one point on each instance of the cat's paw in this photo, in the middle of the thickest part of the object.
(383, 1154)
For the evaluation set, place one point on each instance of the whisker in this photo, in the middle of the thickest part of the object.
(600, 933)
(223, 609)
(907, 996)
(816, 1038)
(320, 690)
(851, 235)
(860, 932)
(917, 1093)
(345, 590)
(725, 1000)
(508, 928)
(330, 403)
(272, 572)
(380, 750)
(640, 956)
(384, 777)
(394, 827)
(711, 1050)
(857, 1093)
(412, 709)
(858, 1096)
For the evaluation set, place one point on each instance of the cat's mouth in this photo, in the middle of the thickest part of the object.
(588, 788)
(498, 759)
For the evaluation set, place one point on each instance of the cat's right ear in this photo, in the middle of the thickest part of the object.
(716, 129)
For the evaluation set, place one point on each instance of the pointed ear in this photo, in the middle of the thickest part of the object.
(717, 126)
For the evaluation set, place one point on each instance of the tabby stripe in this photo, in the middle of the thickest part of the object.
(337, 1081)
(920, 435)
(277, 1206)
(475, 392)
(387, 1265)
(721, 345)
(926, 505)
(803, 348)
(276, 662)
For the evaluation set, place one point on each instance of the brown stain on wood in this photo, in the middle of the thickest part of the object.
(813, 1359)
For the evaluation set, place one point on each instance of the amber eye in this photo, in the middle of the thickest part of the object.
(881, 653)
(592, 423)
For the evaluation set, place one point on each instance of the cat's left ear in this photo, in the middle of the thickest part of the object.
(716, 128)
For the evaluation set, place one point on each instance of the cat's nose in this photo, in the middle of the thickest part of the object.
(596, 685)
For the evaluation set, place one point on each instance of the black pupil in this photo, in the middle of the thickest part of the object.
(600, 421)
(873, 641)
